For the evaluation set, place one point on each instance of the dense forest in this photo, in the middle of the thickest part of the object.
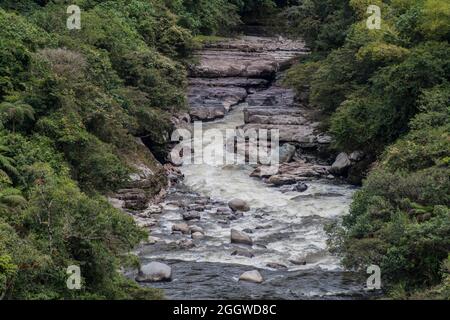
(72, 103)
(387, 92)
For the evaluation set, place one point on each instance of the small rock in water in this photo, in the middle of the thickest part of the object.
(238, 205)
(154, 272)
(300, 187)
(185, 243)
(277, 266)
(197, 236)
(152, 240)
(195, 229)
(236, 215)
(298, 262)
(252, 276)
(191, 215)
(223, 210)
(181, 227)
(202, 201)
(248, 230)
(196, 207)
(240, 237)
(242, 253)
(147, 223)
(154, 209)
(281, 180)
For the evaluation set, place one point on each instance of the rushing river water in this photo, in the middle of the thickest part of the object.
(286, 227)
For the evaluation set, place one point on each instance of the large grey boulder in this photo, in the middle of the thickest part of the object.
(240, 237)
(181, 227)
(356, 156)
(197, 236)
(154, 272)
(252, 276)
(341, 164)
(286, 152)
(282, 180)
(191, 215)
(194, 229)
(238, 205)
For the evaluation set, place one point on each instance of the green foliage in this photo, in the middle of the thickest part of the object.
(71, 104)
(16, 112)
(403, 211)
(323, 24)
(206, 16)
(7, 271)
(435, 23)
(64, 227)
(386, 92)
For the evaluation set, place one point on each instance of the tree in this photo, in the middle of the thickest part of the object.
(16, 112)
(6, 164)
(11, 199)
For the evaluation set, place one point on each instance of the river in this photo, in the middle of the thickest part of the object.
(286, 226)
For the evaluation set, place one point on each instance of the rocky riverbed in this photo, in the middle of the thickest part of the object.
(235, 231)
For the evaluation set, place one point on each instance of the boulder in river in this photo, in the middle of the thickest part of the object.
(281, 180)
(240, 237)
(154, 272)
(242, 253)
(238, 205)
(300, 187)
(276, 266)
(197, 236)
(152, 240)
(181, 227)
(185, 243)
(341, 164)
(298, 262)
(194, 229)
(191, 215)
(252, 276)
(286, 152)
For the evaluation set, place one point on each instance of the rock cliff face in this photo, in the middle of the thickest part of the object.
(147, 182)
(228, 72)
(246, 71)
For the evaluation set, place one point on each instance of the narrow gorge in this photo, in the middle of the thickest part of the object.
(236, 84)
